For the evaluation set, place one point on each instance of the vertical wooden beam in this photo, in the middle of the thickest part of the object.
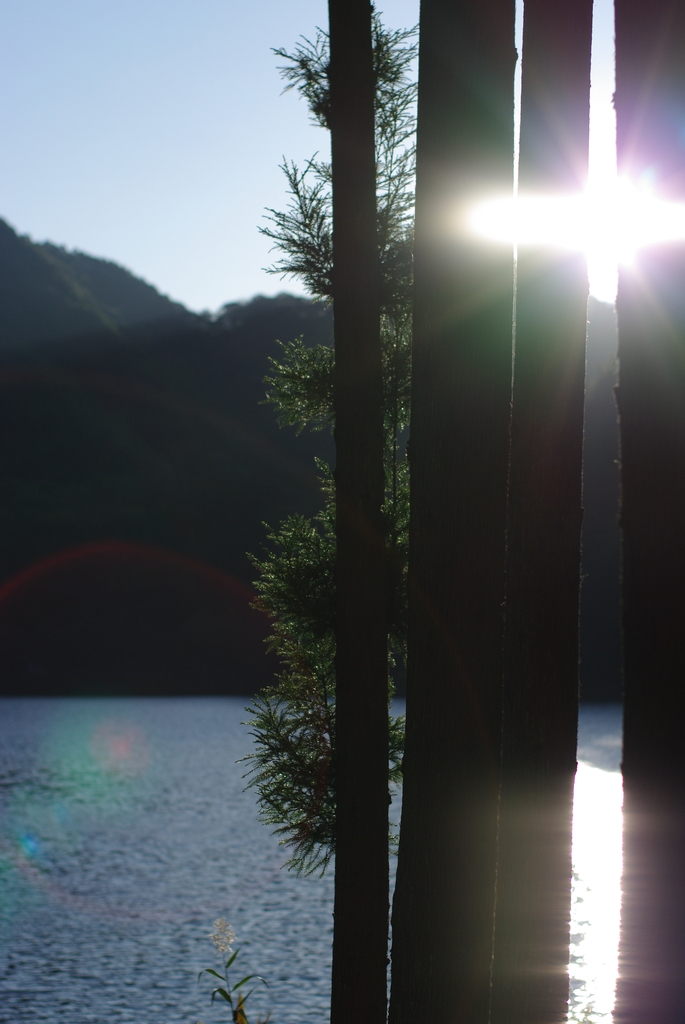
(650, 111)
(360, 935)
(458, 454)
(540, 705)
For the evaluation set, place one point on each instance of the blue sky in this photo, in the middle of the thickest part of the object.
(150, 132)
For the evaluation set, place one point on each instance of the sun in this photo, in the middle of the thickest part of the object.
(609, 222)
(613, 218)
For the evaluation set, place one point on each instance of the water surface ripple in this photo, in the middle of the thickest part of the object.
(125, 832)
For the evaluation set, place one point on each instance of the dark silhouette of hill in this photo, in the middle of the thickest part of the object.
(50, 294)
(39, 301)
(127, 421)
(150, 437)
(125, 299)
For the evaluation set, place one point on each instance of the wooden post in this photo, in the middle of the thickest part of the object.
(360, 937)
(458, 455)
(650, 111)
(540, 706)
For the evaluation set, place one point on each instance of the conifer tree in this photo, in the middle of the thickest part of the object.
(294, 721)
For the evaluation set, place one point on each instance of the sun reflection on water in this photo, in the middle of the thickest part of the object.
(595, 914)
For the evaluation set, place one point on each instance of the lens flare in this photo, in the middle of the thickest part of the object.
(532, 220)
(609, 223)
(29, 845)
(119, 747)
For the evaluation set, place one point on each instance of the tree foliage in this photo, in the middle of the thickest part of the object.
(293, 721)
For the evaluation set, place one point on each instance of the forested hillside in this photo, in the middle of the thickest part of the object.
(50, 294)
(138, 429)
(140, 433)
(124, 298)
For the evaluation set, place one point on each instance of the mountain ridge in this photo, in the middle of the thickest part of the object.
(123, 430)
(50, 294)
(136, 457)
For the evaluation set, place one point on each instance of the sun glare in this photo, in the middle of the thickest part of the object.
(609, 223)
(595, 916)
(612, 219)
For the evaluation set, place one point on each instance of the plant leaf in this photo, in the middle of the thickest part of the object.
(244, 981)
(215, 974)
(224, 995)
(231, 959)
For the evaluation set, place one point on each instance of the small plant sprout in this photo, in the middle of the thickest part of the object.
(223, 938)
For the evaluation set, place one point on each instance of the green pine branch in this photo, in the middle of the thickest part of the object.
(292, 767)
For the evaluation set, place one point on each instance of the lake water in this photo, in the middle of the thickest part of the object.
(125, 832)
